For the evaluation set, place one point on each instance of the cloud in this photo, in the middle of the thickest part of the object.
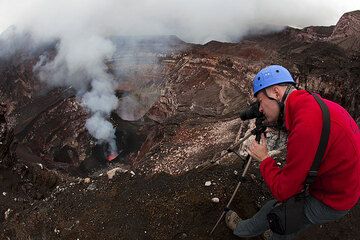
(194, 21)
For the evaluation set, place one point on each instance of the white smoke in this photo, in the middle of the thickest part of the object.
(82, 29)
(102, 130)
(80, 64)
(193, 21)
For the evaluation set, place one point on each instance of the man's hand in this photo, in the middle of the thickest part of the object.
(258, 151)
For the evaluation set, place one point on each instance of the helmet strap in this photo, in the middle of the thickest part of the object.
(280, 121)
(281, 118)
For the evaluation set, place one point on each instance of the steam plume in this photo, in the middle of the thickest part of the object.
(80, 64)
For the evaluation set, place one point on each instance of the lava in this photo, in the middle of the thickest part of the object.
(112, 156)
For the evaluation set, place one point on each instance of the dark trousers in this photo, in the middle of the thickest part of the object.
(315, 213)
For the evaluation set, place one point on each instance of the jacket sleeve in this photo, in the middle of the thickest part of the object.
(302, 144)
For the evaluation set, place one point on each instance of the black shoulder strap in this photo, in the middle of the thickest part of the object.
(325, 132)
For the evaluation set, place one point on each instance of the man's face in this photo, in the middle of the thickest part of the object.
(268, 107)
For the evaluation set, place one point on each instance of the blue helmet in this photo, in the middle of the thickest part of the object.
(271, 75)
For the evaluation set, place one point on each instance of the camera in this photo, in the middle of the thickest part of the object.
(251, 112)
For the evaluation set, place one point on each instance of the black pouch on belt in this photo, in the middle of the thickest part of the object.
(287, 217)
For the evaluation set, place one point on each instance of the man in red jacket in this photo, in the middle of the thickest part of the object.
(337, 185)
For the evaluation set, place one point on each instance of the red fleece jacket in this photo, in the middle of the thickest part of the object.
(338, 181)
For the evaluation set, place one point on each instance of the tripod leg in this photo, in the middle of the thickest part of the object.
(234, 193)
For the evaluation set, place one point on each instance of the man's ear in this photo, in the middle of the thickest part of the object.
(277, 92)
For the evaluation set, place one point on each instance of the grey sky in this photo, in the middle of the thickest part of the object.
(192, 20)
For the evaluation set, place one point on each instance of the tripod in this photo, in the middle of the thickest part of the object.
(257, 131)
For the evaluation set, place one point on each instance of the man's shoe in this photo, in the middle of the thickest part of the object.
(267, 235)
(232, 219)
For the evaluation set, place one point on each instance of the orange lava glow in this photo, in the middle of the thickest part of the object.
(112, 156)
